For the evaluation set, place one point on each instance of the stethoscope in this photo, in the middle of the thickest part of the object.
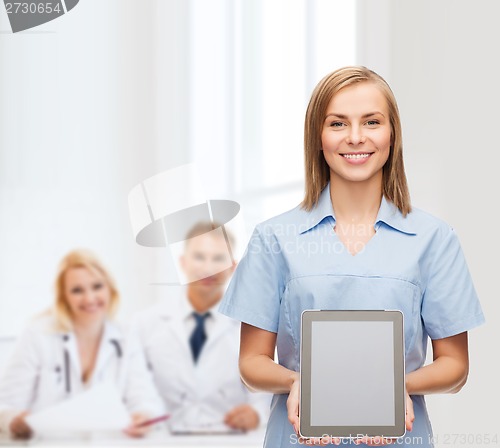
(67, 370)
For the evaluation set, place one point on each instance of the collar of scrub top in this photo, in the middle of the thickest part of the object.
(112, 336)
(388, 214)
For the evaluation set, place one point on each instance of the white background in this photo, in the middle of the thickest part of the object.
(119, 90)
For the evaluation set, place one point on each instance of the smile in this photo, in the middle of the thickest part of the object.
(91, 308)
(357, 156)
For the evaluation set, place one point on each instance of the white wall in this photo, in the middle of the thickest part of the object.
(115, 92)
(92, 104)
(442, 61)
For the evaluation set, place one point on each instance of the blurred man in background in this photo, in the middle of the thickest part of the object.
(192, 350)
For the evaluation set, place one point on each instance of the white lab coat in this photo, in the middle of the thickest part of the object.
(45, 369)
(196, 394)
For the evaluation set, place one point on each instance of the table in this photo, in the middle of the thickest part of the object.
(158, 438)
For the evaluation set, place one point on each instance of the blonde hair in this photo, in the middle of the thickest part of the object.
(79, 258)
(317, 171)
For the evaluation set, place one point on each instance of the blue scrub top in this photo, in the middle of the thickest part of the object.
(295, 261)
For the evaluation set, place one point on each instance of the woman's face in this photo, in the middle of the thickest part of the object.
(356, 136)
(87, 294)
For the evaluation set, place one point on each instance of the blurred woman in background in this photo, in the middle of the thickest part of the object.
(74, 346)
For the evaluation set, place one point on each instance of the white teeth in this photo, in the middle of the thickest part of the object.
(355, 156)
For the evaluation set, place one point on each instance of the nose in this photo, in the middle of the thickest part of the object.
(355, 136)
(89, 296)
(209, 269)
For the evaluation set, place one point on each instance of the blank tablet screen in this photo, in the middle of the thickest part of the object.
(352, 373)
(360, 374)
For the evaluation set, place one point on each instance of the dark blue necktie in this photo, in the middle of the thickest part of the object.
(198, 336)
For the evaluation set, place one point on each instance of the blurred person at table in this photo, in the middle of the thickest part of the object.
(72, 347)
(193, 350)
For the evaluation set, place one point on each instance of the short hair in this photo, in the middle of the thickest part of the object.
(80, 258)
(202, 227)
(317, 171)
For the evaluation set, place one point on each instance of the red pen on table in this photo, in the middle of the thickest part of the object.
(152, 421)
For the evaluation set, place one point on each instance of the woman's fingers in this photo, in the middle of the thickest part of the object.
(410, 415)
(292, 405)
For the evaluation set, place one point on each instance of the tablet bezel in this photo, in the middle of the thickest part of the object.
(310, 316)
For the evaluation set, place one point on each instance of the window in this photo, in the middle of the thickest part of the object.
(253, 66)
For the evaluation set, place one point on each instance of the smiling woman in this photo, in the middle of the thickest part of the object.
(356, 141)
(391, 256)
(73, 347)
(85, 291)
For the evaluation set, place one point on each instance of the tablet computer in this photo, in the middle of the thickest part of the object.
(352, 374)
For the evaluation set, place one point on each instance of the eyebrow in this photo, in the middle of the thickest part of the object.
(343, 117)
